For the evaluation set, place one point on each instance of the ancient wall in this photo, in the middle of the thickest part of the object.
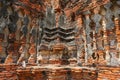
(77, 33)
(88, 35)
(15, 72)
(109, 73)
(8, 72)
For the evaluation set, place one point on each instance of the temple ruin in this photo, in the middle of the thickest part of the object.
(59, 39)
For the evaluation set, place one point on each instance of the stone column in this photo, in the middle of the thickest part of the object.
(9, 58)
(95, 47)
(2, 48)
(101, 60)
(117, 35)
(32, 52)
(88, 39)
(78, 38)
(12, 57)
(22, 51)
(106, 43)
(85, 48)
(33, 43)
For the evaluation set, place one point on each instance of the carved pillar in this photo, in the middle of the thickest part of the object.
(96, 19)
(84, 38)
(22, 50)
(117, 34)
(113, 48)
(79, 40)
(94, 44)
(106, 43)
(32, 49)
(32, 52)
(12, 56)
(2, 48)
(101, 60)
(97, 35)
(19, 24)
(10, 51)
(88, 39)
(43, 54)
(109, 16)
(95, 56)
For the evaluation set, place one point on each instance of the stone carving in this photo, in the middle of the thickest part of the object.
(109, 16)
(101, 59)
(114, 61)
(33, 32)
(12, 22)
(25, 20)
(54, 35)
(79, 39)
(85, 47)
(32, 52)
(62, 19)
(80, 48)
(94, 42)
(87, 22)
(89, 50)
(97, 18)
(44, 54)
(2, 48)
(22, 51)
(106, 46)
(88, 39)
(2, 24)
(117, 33)
(10, 51)
(88, 36)
(117, 12)
(33, 43)
(68, 34)
(99, 42)
(24, 31)
(11, 38)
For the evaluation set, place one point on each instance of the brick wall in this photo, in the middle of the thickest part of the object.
(15, 72)
(8, 72)
(57, 73)
(109, 73)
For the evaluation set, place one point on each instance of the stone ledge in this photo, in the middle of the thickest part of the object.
(51, 72)
(57, 73)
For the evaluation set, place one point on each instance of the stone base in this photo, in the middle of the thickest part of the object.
(57, 73)
(109, 73)
(52, 72)
(8, 72)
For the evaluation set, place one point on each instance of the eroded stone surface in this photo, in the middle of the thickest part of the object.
(64, 33)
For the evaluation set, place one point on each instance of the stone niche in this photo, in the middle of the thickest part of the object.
(56, 54)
